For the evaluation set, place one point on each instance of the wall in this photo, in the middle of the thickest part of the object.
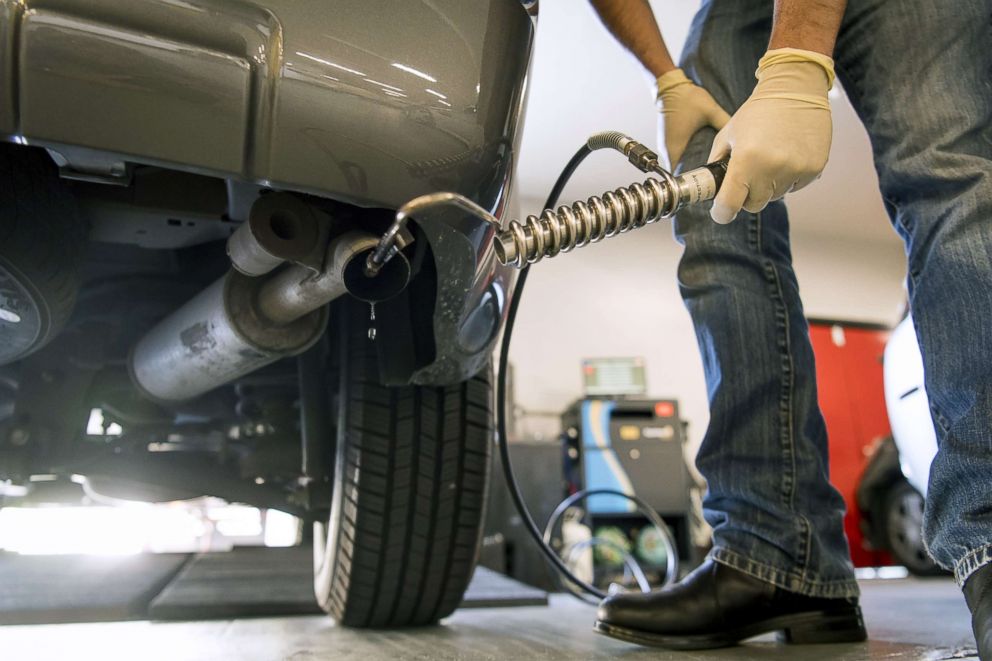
(619, 298)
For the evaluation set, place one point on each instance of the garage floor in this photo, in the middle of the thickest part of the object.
(907, 619)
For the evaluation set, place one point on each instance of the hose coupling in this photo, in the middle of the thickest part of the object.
(637, 153)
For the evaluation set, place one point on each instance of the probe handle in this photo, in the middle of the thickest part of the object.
(698, 185)
(719, 170)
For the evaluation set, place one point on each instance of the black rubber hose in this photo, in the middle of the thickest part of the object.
(504, 354)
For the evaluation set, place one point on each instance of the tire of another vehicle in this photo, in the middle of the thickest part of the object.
(411, 471)
(903, 526)
(42, 239)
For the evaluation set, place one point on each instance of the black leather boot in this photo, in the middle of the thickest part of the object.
(716, 606)
(978, 594)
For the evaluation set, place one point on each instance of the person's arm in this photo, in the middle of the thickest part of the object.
(685, 108)
(807, 24)
(632, 23)
(779, 140)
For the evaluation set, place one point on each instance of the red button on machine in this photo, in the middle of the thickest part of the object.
(664, 410)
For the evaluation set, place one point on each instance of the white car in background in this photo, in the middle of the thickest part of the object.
(894, 485)
(908, 406)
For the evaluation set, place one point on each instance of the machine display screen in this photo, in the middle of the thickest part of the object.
(613, 376)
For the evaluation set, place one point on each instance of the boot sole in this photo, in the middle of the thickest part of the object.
(816, 628)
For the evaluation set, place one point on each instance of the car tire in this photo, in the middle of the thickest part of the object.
(410, 483)
(42, 240)
(903, 529)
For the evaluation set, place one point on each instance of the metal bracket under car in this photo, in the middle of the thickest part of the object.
(471, 286)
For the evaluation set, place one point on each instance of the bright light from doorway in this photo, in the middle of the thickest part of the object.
(132, 528)
(88, 530)
(281, 529)
(884, 573)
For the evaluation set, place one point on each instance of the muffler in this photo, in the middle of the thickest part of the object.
(242, 323)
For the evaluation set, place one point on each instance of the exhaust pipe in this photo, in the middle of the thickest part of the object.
(240, 323)
(295, 291)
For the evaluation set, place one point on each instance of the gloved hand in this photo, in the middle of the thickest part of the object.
(779, 140)
(685, 108)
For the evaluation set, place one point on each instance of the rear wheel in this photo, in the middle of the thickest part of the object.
(904, 529)
(411, 467)
(41, 246)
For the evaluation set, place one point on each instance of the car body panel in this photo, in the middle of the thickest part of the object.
(9, 17)
(368, 102)
(132, 93)
(305, 95)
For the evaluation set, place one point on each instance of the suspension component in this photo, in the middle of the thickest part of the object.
(281, 227)
(600, 217)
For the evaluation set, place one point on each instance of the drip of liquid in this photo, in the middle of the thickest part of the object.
(372, 322)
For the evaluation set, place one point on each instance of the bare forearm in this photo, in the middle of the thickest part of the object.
(807, 24)
(632, 23)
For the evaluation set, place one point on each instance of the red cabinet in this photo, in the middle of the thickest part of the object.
(849, 382)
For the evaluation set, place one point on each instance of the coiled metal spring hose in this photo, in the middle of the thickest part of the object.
(615, 212)
(598, 218)
(619, 213)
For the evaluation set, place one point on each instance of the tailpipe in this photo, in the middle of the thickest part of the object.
(241, 323)
(295, 291)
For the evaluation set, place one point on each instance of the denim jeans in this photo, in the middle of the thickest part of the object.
(919, 75)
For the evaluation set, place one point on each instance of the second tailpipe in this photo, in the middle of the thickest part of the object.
(601, 217)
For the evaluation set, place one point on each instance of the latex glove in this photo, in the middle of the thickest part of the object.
(685, 108)
(779, 140)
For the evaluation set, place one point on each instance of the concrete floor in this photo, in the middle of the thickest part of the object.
(907, 619)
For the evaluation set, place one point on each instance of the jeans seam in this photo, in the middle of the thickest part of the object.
(788, 435)
(971, 562)
(807, 540)
(787, 438)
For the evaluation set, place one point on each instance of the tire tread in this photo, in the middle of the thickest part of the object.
(414, 494)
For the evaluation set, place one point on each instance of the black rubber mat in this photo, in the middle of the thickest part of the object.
(56, 589)
(251, 582)
(247, 582)
(489, 589)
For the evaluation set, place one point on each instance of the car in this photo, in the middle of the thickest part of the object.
(892, 491)
(189, 193)
(908, 405)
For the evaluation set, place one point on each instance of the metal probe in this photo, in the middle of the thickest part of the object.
(582, 223)
(388, 245)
